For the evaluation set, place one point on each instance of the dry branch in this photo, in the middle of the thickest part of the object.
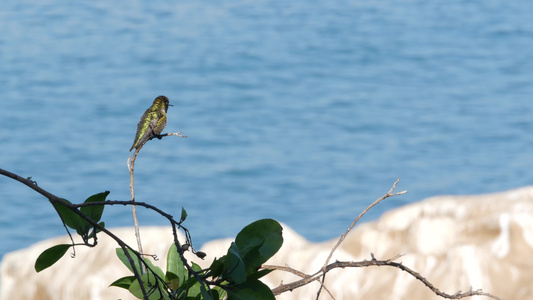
(131, 163)
(320, 275)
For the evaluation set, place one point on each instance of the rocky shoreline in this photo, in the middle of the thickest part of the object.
(456, 242)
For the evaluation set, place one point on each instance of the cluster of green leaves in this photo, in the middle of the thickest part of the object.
(75, 221)
(235, 275)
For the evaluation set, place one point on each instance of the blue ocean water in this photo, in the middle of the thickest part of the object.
(301, 111)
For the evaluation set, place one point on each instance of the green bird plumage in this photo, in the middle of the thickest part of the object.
(152, 122)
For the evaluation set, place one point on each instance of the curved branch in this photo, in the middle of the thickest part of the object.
(54, 199)
(368, 263)
(343, 236)
(74, 207)
(28, 182)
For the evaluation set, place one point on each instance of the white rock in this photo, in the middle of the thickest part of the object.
(456, 242)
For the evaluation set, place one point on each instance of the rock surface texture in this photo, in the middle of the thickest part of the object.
(456, 242)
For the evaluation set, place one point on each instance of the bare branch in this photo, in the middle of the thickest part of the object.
(306, 278)
(178, 134)
(131, 163)
(390, 263)
(367, 263)
(341, 239)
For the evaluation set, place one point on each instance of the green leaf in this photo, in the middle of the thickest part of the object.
(92, 234)
(173, 281)
(50, 256)
(123, 282)
(72, 219)
(235, 266)
(220, 293)
(259, 274)
(153, 282)
(95, 211)
(183, 215)
(175, 269)
(205, 294)
(258, 242)
(155, 290)
(173, 260)
(217, 267)
(136, 260)
(250, 290)
(196, 267)
(157, 270)
(191, 288)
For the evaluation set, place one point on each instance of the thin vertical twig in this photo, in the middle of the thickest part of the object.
(341, 239)
(131, 163)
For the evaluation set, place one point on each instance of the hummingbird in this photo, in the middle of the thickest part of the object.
(152, 122)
